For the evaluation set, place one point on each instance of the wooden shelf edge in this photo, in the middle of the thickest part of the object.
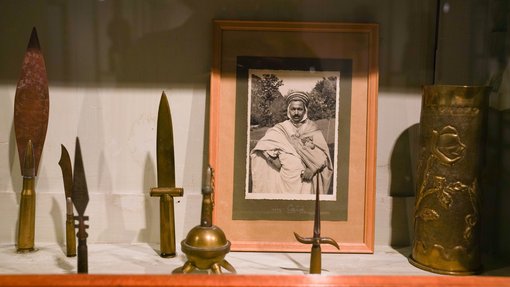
(247, 280)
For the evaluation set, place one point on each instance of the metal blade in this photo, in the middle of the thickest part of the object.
(67, 171)
(80, 194)
(317, 217)
(165, 145)
(31, 103)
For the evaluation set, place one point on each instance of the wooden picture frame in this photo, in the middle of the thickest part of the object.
(245, 51)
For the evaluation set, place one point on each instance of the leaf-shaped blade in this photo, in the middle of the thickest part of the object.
(31, 103)
(80, 194)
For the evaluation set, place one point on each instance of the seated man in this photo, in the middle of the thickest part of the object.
(293, 156)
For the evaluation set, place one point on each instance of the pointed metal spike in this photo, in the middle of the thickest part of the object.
(34, 40)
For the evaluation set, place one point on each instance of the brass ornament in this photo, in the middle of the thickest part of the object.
(206, 244)
(447, 207)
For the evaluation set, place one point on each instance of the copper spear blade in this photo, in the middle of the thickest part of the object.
(165, 145)
(31, 103)
(80, 194)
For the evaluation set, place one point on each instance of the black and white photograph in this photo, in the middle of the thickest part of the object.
(292, 134)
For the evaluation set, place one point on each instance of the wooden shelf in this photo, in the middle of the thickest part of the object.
(247, 280)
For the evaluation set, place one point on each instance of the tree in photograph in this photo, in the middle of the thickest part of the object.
(323, 99)
(264, 92)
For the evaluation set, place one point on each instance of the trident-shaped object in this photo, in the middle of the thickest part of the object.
(166, 189)
(67, 175)
(31, 112)
(316, 240)
(80, 197)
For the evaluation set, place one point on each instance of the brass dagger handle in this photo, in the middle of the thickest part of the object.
(167, 226)
(166, 217)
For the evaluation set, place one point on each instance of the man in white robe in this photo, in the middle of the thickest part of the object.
(293, 156)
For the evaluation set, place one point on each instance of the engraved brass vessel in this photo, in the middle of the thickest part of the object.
(447, 207)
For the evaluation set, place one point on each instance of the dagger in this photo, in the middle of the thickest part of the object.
(31, 112)
(80, 198)
(316, 240)
(67, 175)
(166, 190)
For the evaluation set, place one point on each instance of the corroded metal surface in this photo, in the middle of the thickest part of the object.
(447, 213)
(31, 104)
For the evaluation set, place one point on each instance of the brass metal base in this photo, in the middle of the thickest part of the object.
(438, 271)
(26, 250)
(167, 255)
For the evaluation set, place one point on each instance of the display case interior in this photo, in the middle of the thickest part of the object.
(107, 63)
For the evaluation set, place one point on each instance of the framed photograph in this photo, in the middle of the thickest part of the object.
(293, 113)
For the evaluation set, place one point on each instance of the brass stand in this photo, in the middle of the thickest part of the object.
(206, 244)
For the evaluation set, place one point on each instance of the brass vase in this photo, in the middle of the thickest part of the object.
(447, 207)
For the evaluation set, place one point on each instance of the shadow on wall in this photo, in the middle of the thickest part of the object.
(402, 182)
(496, 186)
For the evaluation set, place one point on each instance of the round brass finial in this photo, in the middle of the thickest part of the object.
(206, 247)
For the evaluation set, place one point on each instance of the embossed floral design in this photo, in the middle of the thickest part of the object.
(447, 146)
(457, 186)
(428, 214)
(445, 199)
(471, 220)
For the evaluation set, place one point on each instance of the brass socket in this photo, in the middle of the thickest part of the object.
(26, 225)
